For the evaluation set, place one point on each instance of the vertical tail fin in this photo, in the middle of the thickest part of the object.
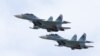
(59, 19)
(50, 18)
(74, 38)
(83, 38)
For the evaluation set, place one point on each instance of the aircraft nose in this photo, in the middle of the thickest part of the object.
(18, 16)
(43, 37)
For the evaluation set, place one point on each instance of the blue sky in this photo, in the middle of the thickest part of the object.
(16, 39)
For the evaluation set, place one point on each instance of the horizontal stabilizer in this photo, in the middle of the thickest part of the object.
(88, 42)
(66, 27)
(89, 46)
(65, 22)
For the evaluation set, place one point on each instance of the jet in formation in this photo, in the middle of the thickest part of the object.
(73, 43)
(49, 24)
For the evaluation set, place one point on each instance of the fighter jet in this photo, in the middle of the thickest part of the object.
(50, 25)
(73, 43)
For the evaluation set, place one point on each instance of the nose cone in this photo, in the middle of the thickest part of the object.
(43, 37)
(18, 16)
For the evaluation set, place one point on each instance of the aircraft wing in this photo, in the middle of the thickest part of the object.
(66, 42)
(61, 42)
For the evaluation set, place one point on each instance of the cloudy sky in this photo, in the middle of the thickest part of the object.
(17, 39)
